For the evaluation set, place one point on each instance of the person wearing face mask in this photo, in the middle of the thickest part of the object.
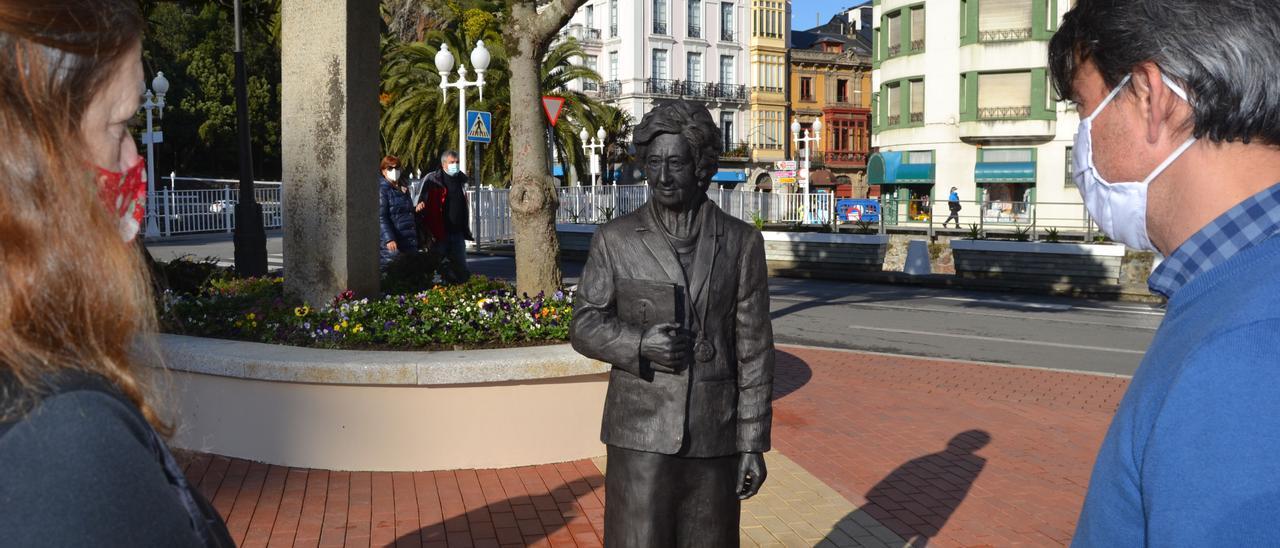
(457, 216)
(82, 441)
(1178, 152)
(399, 229)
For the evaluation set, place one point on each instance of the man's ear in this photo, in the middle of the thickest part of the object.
(1157, 100)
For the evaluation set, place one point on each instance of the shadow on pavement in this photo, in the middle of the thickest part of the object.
(916, 499)
(526, 520)
(790, 374)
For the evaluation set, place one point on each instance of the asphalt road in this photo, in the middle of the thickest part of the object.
(1014, 329)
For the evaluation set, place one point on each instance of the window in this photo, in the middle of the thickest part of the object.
(806, 88)
(613, 18)
(726, 22)
(693, 67)
(660, 64)
(841, 135)
(695, 18)
(894, 34)
(920, 157)
(1071, 176)
(842, 91)
(1004, 95)
(613, 66)
(1004, 20)
(726, 130)
(659, 16)
(917, 101)
(892, 105)
(1007, 155)
(590, 85)
(591, 17)
(726, 69)
(917, 29)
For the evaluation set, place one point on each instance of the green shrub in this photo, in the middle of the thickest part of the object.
(975, 233)
(1021, 234)
(187, 275)
(1051, 235)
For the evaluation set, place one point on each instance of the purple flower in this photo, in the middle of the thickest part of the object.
(388, 324)
(559, 295)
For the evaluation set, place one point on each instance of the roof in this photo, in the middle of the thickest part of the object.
(807, 39)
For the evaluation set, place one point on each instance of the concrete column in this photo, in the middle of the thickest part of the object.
(330, 146)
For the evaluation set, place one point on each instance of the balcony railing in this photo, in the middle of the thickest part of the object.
(917, 45)
(917, 117)
(1003, 113)
(695, 31)
(695, 90)
(590, 85)
(1005, 35)
(893, 120)
(841, 158)
(613, 31)
(895, 49)
(726, 35)
(736, 150)
(659, 27)
(807, 97)
(584, 35)
(612, 88)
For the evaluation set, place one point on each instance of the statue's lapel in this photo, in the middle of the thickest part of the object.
(705, 258)
(658, 245)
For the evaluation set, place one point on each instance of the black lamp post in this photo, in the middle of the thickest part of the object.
(250, 236)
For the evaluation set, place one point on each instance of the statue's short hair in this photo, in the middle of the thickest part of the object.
(691, 121)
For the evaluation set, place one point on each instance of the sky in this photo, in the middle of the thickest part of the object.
(802, 11)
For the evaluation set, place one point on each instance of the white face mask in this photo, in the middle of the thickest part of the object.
(393, 175)
(452, 168)
(1120, 209)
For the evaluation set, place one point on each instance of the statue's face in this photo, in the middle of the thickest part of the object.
(670, 168)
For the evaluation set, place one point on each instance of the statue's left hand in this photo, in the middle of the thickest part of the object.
(751, 474)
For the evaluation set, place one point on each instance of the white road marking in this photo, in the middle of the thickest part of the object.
(997, 339)
(967, 312)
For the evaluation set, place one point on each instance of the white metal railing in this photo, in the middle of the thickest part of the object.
(209, 205)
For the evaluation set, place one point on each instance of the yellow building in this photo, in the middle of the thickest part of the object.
(766, 133)
(831, 81)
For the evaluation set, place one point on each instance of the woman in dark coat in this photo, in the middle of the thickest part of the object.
(395, 215)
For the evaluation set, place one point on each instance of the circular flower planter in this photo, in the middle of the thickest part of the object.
(382, 410)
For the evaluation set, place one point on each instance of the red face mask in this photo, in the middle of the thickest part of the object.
(125, 196)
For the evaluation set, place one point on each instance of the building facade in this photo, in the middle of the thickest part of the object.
(767, 133)
(963, 99)
(648, 51)
(831, 82)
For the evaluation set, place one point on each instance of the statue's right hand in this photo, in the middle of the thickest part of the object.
(665, 345)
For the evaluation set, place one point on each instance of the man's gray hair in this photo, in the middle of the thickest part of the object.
(689, 120)
(1225, 53)
(448, 154)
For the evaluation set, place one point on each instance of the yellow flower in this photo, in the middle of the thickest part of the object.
(239, 323)
(338, 327)
(344, 323)
(250, 316)
(358, 328)
(302, 311)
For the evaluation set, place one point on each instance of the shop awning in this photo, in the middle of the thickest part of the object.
(886, 168)
(1005, 172)
(729, 177)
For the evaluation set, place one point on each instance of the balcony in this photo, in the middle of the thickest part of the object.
(613, 31)
(695, 31)
(807, 98)
(893, 120)
(695, 90)
(612, 88)
(736, 151)
(590, 85)
(1005, 35)
(726, 35)
(895, 50)
(916, 117)
(586, 36)
(840, 158)
(917, 45)
(660, 27)
(1004, 113)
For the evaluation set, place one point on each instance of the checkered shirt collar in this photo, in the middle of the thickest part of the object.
(1243, 226)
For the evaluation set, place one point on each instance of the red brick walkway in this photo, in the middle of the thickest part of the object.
(874, 428)
(877, 429)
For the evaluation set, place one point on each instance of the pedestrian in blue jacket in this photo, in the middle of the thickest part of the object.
(395, 215)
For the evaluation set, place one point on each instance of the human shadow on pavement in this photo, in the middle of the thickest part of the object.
(524, 520)
(916, 499)
(790, 373)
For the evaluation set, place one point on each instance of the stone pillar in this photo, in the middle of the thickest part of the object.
(330, 59)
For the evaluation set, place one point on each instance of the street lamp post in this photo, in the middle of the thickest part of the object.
(596, 144)
(444, 64)
(154, 103)
(808, 140)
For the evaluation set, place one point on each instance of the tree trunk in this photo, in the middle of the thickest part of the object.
(533, 196)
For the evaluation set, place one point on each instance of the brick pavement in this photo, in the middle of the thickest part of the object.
(869, 450)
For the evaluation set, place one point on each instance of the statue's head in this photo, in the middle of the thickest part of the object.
(678, 144)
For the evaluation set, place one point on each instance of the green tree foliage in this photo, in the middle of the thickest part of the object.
(192, 43)
(420, 120)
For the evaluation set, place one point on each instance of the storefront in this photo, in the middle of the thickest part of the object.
(905, 181)
(1006, 180)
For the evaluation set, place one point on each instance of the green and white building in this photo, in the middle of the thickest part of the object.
(963, 98)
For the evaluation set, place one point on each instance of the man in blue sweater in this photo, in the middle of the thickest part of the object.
(1178, 152)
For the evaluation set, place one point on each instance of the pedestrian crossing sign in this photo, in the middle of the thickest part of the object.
(479, 126)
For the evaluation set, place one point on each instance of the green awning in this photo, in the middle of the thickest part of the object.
(1005, 172)
(886, 168)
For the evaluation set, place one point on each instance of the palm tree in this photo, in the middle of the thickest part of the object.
(418, 123)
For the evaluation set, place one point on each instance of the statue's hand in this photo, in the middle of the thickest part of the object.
(665, 345)
(751, 471)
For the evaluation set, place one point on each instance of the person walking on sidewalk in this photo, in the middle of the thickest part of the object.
(953, 203)
(457, 216)
(395, 215)
(1178, 151)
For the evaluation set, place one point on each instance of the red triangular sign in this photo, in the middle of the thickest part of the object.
(552, 106)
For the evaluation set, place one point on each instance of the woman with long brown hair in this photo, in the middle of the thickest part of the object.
(82, 461)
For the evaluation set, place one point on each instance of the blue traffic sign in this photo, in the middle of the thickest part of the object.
(479, 126)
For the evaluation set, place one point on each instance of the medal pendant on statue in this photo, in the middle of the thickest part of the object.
(702, 350)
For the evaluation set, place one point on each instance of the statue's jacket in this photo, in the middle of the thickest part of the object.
(709, 409)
